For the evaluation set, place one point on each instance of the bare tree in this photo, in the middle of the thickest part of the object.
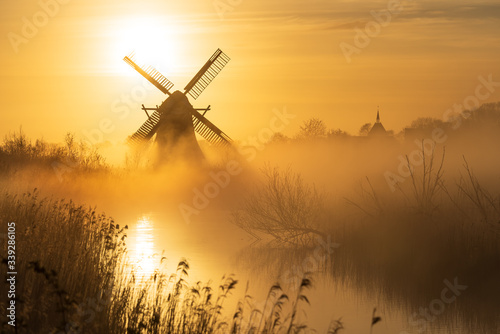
(313, 128)
(285, 207)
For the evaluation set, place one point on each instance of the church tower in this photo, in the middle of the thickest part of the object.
(377, 129)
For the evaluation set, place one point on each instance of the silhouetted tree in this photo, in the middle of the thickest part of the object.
(284, 207)
(427, 123)
(279, 138)
(313, 128)
(337, 133)
(487, 113)
(364, 129)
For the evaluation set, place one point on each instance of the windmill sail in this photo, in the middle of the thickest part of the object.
(209, 131)
(150, 73)
(147, 130)
(207, 73)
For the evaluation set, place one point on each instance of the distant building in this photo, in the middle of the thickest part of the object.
(377, 129)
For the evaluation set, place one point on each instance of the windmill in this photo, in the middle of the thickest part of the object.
(175, 120)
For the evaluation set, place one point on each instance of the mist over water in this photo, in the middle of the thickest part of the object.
(222, 167)
(390, 245)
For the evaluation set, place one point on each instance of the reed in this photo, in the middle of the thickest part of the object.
(77, 278)
(18, 151)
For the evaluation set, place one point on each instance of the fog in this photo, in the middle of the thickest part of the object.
(403, 216)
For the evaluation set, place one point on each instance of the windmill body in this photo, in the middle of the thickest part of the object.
(175, 121)
(175, 135)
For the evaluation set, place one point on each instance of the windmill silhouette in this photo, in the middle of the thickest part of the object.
(175, 120)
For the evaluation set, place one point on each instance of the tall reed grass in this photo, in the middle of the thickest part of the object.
(404, 243)
(74, 276)
(18, 151)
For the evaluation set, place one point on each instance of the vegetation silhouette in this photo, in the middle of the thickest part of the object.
(399, 245)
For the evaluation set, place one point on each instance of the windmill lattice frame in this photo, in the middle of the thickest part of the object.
(194, 88)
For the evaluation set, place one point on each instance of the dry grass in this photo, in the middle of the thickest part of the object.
(76, 278)
(17, 151)
(404, 243)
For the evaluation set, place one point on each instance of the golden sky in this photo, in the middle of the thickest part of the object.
(62, 70)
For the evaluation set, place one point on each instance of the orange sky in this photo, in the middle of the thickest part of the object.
(68, 75)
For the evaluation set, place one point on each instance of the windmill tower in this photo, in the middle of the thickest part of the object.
(175, 121)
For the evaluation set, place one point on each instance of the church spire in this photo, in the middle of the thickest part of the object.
(378, 114)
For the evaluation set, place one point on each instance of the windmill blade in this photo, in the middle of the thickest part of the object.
(207, 73)
(150, 73)
(147, 130)
(209, 131)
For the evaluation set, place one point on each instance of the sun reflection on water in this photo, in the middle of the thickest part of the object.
(143, 255)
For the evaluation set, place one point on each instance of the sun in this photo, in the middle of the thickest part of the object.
(154, 40)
